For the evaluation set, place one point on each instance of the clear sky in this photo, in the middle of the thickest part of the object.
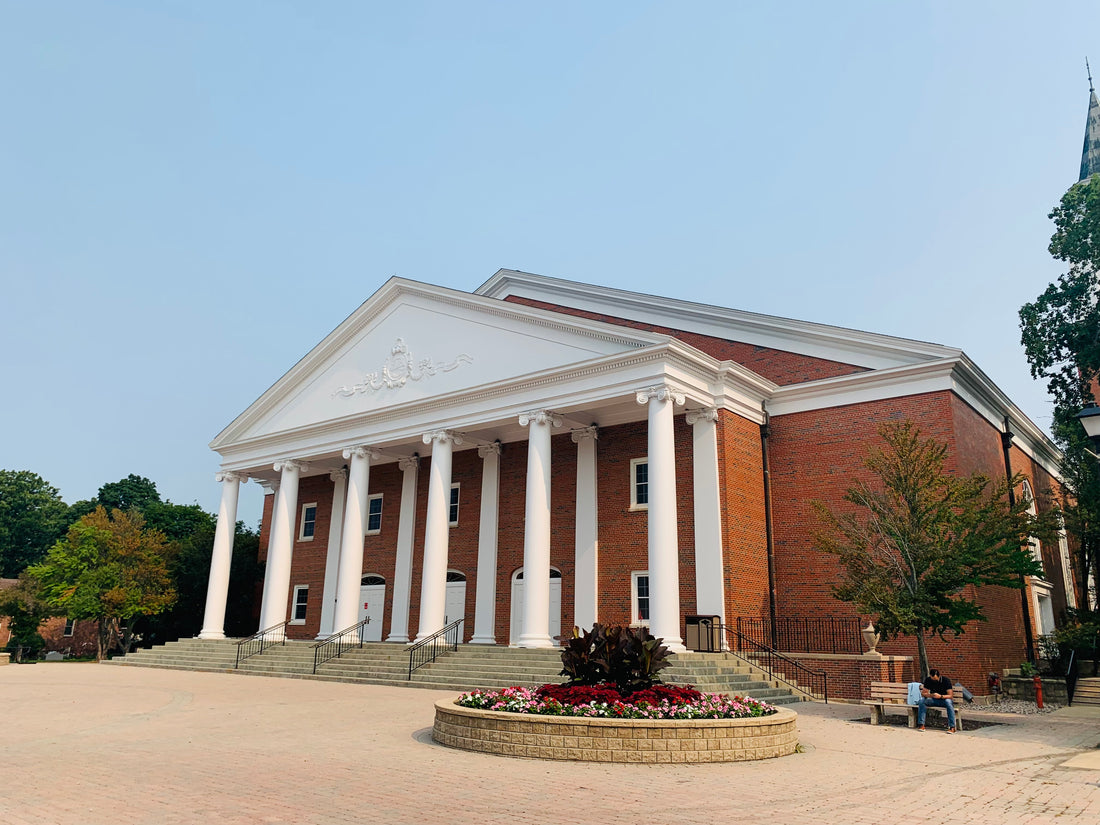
(196, 193)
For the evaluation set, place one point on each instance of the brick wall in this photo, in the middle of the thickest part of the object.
(850, 677)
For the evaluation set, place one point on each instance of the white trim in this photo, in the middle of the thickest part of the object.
(70, 627)
(454, 504)
(370, 500)
(299, 588)
(302, 522)
(1067, 569)
(636, 619)
(634, 505)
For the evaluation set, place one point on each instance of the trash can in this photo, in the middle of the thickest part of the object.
(704, 633)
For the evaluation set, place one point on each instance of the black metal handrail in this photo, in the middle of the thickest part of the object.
(822, 634)
(1071, 677)
(772, 660)
(258, 642)
(333, 646)
(427, 650)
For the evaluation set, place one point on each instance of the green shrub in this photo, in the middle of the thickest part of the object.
(627, 657)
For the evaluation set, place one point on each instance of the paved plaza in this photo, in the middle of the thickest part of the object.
(86, 744)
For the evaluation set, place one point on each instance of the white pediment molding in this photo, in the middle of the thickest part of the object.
(864, 349)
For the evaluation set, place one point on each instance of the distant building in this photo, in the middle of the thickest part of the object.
(542, 453)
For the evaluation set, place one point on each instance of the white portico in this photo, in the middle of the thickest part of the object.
(419, 374)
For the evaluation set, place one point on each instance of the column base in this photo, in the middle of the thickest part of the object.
(402, 639)
(535, 641)
(483, 640)
(675, 645)
(211, 635)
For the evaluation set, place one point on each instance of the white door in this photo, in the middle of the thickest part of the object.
(517, 606)
(372, 603)
(456, 604)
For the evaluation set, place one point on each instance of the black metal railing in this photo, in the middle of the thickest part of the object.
(333, 646)
(779, 667)
(793, 635)
(427, 650)
(260, 641)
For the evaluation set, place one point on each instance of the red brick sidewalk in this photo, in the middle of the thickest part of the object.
(97, 745)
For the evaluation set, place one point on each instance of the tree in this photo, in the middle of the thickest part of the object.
(32, 518)
(1060, 332)
(912, 544)
(109, 568)
(130, 493)
(26, 612)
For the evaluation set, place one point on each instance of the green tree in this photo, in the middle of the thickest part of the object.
(32, 517)
(26, 611)
(109, 568)
(130, 493)
(913, 543)
(1060, 332)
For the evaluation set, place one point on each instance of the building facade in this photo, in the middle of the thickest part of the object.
(541, 453)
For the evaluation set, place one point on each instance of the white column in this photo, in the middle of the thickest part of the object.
(585, 589)
(710, 590)
(536, 534)
(339, 480)
(271, 488)
(217, 589)
(664, 560)
(351, 544)
(406, 533)
(281, 547)
(433, 583)
(485, 608)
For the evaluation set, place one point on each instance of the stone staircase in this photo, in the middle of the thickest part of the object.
(1087, 692)
(471, 666)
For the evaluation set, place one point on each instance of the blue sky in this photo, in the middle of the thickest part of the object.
(194, 194)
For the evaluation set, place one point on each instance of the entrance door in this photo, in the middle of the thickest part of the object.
(517, 606)
(372, 604)
(456, 600)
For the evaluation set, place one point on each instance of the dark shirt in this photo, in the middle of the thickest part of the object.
(938, 685)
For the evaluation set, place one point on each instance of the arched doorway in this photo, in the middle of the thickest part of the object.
(372, 605)
(517, 605)
(456, 599)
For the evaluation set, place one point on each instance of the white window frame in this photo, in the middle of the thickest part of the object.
(454, 504)
(70, 627)
(1033, 510)
(635, 613)
(370, 501)
(302, 522)
(1067, 569)
(634, 505)
(299, 588)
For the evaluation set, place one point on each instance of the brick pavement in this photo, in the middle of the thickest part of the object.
(93, 745)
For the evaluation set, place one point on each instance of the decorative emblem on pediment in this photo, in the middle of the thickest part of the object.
(400, 368)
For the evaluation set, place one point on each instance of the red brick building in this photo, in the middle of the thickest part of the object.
(543, 453)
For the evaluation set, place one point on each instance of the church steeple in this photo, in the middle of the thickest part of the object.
(1090, 155)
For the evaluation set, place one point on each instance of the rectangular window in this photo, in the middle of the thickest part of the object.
(374, 515)
(301, 601)
(70, 627)
(453, 513)
(639, 484)
(1067, 570)
(309, 522)
(639, 596)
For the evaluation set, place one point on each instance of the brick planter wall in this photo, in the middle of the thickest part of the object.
(647, 741)
(1023, 687)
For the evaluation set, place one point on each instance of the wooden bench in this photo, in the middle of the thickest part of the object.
(896, 694)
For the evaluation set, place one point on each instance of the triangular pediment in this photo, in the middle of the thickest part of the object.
(411, 342)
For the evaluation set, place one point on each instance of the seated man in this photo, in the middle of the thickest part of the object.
(936, 691)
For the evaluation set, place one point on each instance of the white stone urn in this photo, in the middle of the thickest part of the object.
(871, 639)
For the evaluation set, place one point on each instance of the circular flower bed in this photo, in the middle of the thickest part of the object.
(605, 702)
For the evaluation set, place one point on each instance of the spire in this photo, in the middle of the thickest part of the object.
(1090, 155)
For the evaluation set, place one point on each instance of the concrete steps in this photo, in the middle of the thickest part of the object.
(1087, 692)
(471, 666)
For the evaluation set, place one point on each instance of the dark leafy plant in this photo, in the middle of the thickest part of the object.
(629, 658)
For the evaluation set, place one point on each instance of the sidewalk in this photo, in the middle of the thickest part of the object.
(84, 744)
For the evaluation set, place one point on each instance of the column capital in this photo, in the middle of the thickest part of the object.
(585, 433)
(338, 475)
(270, 487)
(412, 462)
(486, 450)
(540, 417)
(660, 392)
(229, 475)
(705, 415)
(442, 436)
(361, 451)
(291, 464)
